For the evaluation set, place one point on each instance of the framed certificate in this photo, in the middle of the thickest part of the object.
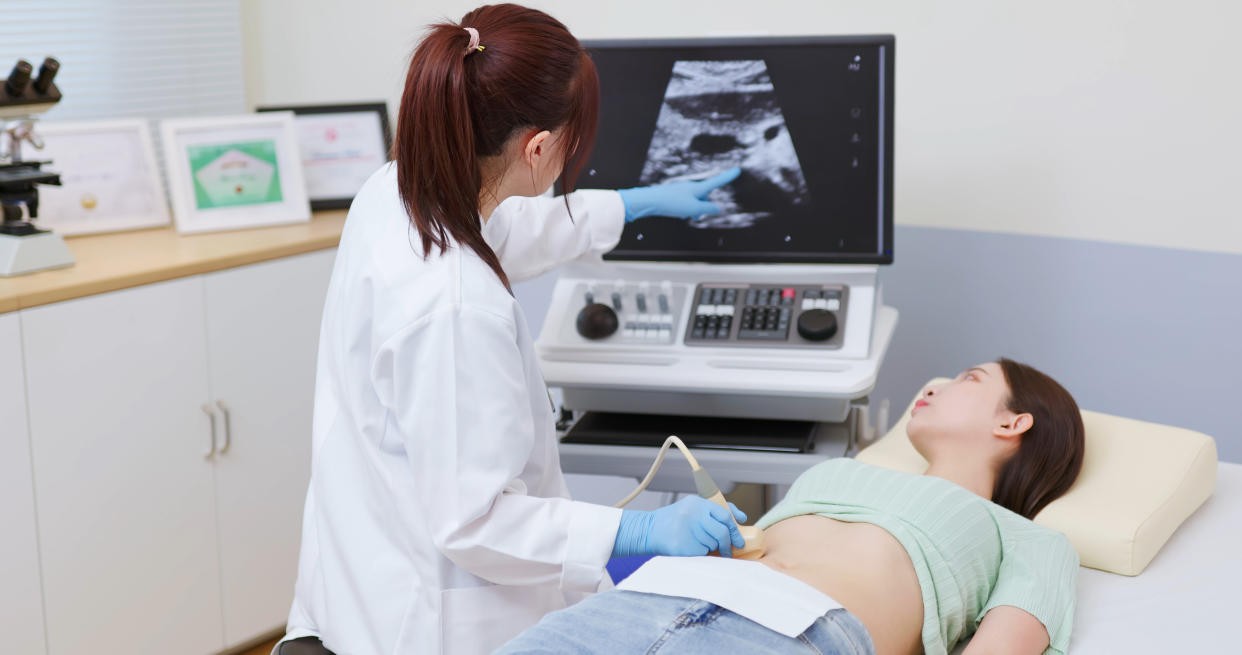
(342, 145)
(109, 178)
(234, 172)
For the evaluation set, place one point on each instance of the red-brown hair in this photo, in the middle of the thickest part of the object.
(457, 109)
(1050, 454)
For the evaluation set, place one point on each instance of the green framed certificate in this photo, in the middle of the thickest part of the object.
(234, 172)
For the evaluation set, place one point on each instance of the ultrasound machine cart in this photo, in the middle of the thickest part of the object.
(755, 335)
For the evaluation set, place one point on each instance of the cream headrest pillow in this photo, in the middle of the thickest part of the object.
(1139, 481)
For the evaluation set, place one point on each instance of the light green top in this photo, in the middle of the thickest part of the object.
(970, 554)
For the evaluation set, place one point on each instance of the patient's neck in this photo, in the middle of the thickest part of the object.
(966, 472)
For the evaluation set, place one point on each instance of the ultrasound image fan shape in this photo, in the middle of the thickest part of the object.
(721, 114)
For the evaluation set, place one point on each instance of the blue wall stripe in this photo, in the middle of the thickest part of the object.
(1150, 333)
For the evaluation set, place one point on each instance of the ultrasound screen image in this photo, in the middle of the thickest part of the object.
(807, 119)
(719, 114)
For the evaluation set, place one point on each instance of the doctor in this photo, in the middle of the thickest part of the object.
(437, 518)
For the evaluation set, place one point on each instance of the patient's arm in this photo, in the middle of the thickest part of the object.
(1007, 629)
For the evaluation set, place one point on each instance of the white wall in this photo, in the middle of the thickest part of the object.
(1109, 120)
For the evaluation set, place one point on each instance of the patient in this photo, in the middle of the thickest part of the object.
(861, 559)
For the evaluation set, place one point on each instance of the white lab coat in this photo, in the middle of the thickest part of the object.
(437, 518)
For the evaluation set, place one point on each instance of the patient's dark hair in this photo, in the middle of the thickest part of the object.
(1050, 454)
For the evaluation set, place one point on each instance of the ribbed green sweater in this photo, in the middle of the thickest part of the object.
(970, 554)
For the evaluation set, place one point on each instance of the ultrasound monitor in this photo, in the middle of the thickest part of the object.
(809, 120)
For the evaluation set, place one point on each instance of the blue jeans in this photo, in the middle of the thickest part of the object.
(623, 622)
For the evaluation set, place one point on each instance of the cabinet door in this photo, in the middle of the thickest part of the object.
(116, 384)
(21, 598)
(262, 331)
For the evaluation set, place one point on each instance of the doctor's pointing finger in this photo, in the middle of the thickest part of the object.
(437, 518)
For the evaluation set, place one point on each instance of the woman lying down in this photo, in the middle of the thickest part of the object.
(861, 559)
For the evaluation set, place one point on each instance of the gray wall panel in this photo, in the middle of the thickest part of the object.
(1150, 333)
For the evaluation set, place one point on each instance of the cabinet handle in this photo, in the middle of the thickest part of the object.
(211, 439)
(228, 429)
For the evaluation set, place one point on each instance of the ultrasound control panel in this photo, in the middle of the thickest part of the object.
(713, 314)
(794, 315)
(623, 312)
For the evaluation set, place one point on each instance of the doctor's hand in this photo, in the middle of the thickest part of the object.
(685, 199)
(688, 527)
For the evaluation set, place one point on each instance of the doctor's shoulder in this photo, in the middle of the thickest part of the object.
(480, 288)
(386, 252)
(378, 191)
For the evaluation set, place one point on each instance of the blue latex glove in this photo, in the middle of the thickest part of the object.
(690, 526)
(685, 199)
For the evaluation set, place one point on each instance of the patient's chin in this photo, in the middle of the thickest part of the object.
(919, 423)
(917, 433)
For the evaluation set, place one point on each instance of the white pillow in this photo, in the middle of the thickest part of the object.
(1139, 481)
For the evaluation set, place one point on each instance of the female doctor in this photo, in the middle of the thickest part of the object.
(437, 519)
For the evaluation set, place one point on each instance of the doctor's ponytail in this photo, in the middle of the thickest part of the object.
(462, 103)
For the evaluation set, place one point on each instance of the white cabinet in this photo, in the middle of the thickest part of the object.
(21, 598)
(126, 510)
(156, 534)
(262, 336)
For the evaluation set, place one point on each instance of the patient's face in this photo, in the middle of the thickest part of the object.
(964, 412)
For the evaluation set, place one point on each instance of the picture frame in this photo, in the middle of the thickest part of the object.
(110, 180)
(341, 145)
(234, 172)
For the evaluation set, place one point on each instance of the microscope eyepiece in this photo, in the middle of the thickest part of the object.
(19, 78)
(46, 73)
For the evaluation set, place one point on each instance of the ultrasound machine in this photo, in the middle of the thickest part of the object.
(755, 335)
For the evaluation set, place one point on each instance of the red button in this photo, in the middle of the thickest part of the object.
(787, 293)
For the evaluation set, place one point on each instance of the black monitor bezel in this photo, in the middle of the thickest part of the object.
(887, 42)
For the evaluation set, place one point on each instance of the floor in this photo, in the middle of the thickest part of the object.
(261, 649)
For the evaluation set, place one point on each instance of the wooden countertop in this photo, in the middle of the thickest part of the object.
(119, 260)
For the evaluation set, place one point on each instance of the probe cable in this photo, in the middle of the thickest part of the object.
(655, 466)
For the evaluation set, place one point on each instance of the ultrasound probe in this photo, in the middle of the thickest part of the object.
(708, 489)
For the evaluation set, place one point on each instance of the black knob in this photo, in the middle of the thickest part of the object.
(46, 72)
(817, 324)
(19, 79)
(597, 321)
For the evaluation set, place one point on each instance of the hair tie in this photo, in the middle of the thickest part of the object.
(474, 41)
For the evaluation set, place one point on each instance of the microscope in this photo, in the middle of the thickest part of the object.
(25, 248)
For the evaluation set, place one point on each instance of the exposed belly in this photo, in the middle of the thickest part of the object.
(862, 567)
